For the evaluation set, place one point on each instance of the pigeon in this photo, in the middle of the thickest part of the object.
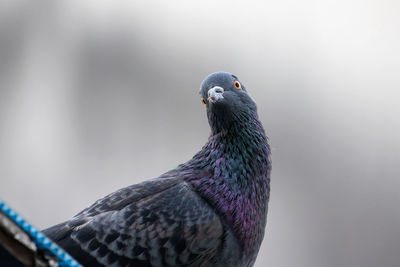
(208, 211)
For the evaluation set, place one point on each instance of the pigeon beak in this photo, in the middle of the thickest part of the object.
(215, 94)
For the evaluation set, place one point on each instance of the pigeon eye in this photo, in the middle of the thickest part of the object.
(203, 101)
(237, 85)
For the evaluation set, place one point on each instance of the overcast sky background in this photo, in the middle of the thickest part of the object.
(98, 95)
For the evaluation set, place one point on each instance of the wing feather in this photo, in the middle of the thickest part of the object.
(161, 222)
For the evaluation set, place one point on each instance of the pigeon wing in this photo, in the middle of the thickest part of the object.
(161, 222)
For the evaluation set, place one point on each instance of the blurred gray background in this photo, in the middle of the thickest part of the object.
(98, 95)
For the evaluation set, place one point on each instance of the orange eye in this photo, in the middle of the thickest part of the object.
(237, 85)
(203, 101)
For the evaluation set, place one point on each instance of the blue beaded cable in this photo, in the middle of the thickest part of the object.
(41, 241)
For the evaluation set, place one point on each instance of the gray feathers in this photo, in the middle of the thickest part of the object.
(145, 225)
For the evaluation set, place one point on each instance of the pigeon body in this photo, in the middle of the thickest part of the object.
(209, 211)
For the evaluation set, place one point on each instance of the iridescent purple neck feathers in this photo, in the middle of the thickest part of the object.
(232, 172)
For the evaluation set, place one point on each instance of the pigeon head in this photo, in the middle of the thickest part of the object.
(226, 100)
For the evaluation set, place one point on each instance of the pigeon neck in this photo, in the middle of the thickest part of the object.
(232, 173)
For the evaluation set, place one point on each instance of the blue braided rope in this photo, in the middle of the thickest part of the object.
(41, 241)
